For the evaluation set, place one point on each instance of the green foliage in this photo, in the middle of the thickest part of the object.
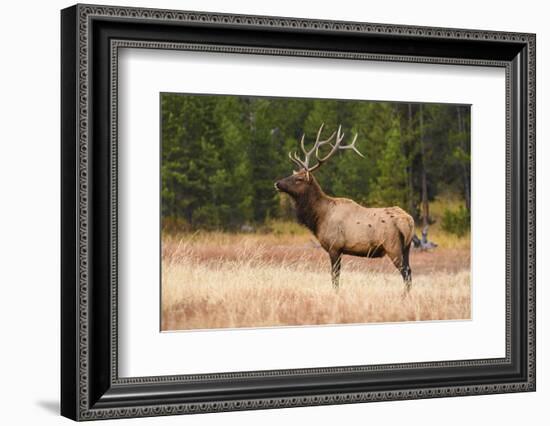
(390, 187)
(222, 154)
(279, 227)
(456, 222)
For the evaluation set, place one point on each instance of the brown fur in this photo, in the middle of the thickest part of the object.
(344, 227)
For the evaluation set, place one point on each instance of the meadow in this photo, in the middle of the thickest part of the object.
(280, 276)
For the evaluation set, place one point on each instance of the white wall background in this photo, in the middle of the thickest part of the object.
(29, 212)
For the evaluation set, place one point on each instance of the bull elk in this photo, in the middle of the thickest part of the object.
(341, 225)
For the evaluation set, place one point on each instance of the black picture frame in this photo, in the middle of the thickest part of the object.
(90, 386)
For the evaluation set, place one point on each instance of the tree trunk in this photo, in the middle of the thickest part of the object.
(425, 203)
(410, 157)
(465, 174)
(403, 142)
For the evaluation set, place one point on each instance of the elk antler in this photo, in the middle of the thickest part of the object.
(304, 164)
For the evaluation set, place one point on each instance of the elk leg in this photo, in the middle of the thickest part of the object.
(336, 266)
(406, 269)
(401, 262)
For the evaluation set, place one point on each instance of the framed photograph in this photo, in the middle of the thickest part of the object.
(263, 212)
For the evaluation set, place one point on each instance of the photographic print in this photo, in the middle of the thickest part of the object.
(298, 212)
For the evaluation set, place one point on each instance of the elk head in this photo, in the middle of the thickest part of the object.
(302, 181)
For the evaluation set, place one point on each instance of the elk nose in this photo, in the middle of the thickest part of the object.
(276, 185)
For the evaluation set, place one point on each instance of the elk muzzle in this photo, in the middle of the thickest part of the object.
(286, 185)
(280, 186)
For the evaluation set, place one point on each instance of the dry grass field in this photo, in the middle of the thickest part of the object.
(222, 280)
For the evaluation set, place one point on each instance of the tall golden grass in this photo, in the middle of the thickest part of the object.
(222, 280)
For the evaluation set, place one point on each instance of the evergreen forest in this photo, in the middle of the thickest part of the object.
(222, 154)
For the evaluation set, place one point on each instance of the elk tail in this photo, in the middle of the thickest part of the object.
(406, 229)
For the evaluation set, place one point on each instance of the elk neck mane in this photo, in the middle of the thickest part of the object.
(311, 206)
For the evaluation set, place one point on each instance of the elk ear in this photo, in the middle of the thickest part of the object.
(294, 172)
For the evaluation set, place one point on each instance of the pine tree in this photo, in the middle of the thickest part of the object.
(390, 186)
